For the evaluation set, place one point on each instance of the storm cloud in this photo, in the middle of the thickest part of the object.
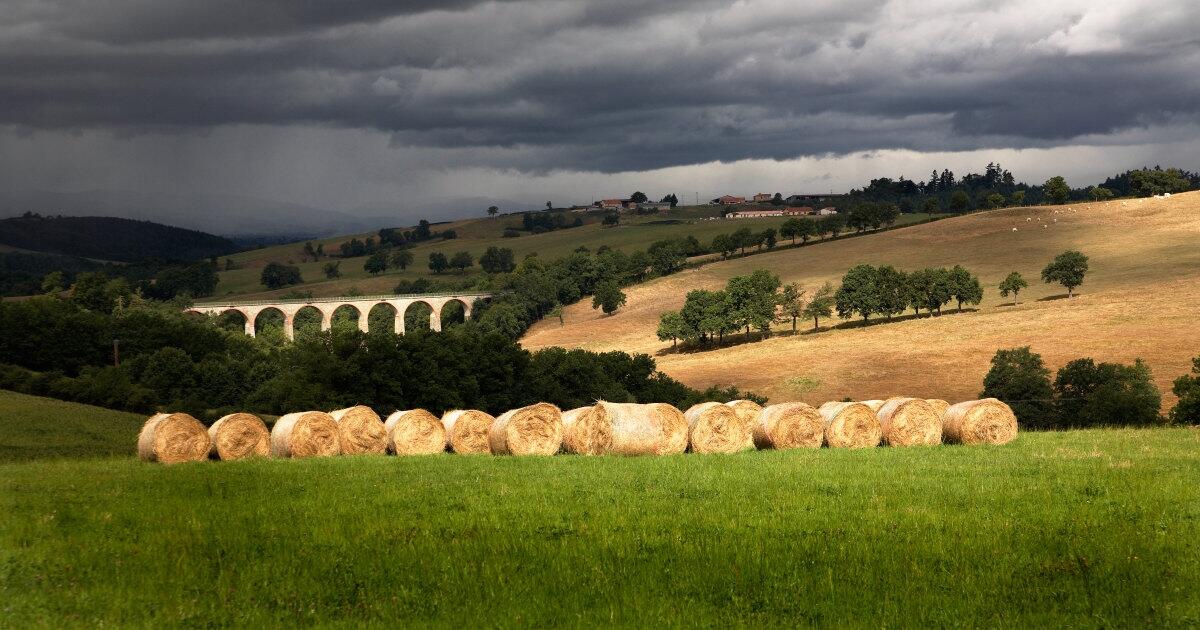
(624, 86)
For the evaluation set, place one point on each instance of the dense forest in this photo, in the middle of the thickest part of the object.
(109, 238)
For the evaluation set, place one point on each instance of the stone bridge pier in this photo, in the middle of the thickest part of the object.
(361, 305)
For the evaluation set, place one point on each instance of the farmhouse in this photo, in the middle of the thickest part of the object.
(825, 211)
(730, 200)
(612, 204)
(769, 212)
(761, 197)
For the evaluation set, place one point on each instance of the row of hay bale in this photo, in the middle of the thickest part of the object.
(604, 428)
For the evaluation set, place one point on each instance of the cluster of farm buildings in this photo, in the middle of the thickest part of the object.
(754, 205)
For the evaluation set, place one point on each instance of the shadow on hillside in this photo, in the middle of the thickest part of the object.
(1051, 298)
(741, 338)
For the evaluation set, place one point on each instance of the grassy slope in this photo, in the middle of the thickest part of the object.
(32, 427)
(1141, 299)
(475, 236)
(1088, 528)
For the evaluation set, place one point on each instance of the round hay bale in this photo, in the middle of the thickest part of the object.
(237, 436)
(714, 427)
(747, 411)
(645, 429)
(789, 425)
(875, 405)
(909, 422)
(850, 425)
(587, 431)
(939, 405)
(415, 432)
(305, 434)
(533, 430)
(360, 430)
(467, 431)
(170, 438)
(987, 421)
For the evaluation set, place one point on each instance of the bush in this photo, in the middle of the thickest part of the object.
(1094, 394)
(1020, 379)
(1187, 388)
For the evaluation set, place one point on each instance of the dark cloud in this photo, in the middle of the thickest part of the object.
(610, 86)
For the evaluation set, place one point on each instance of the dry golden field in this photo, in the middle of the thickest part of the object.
(1141, 298)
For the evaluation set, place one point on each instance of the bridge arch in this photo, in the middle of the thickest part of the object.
(308, 320)
(453, 312)
(383, 317)
(347, 315)
(418, 315)
(270, 318)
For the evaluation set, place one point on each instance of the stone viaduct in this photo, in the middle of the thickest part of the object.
(361, 305)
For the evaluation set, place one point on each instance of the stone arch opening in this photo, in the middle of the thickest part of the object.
(307, 321)
(381, 318)
(346, 316)
(417, 316)
(269, 322)
(454, 312)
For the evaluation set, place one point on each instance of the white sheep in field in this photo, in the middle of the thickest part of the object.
(1028, 218)
(1014, 229)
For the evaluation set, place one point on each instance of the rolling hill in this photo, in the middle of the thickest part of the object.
(1141, 299)
(110, 238)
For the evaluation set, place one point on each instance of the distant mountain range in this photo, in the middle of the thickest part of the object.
(239, 216)
(110, 238)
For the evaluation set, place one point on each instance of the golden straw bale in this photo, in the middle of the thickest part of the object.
(170, 438)
(789, 425)
(533, 430)
(467, 431)
(875, 405)
(909, 422)
(645, 429)
(747, 411)
(850, 425)
(361, 431)
(987, 421)
(237, 436)
(587, 431)
(715, 428)
(415, 432)
(939, 405)
(305, 434)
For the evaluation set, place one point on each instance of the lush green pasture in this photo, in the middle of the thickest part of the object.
(1090, 528)
(32, 427)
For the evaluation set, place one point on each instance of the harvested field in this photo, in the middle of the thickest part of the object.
(1141, 298)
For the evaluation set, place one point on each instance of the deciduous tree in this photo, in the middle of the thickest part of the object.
(1067, 269)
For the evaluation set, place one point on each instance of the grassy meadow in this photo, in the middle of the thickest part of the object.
(1087, 528)
(475, 236)
(1140, 299)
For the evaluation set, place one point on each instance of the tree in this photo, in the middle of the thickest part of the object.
(376, 263)
(1017, 198)
(549, 206)
(1094, 394)
(777, 200)
(1012, 284)
(724, 244)
(1187, 389)
(666, 257)
(893, 291)
(1056, 190)
(54, 283)
(791, 303)
(462, 260)
(671, 326)
(1067, 269)
(706, 314)
(401, 258)
(438, 262)
(1147, 182)
(993, 201)
(449, 235)
(807, 230)
(612, 219)
(1020, 379)
(276, 275)
(1100, 193)
(930, 288)
(964, 287)
(960, 201)
(859, 293)
(608, 297)
(931, 206)
(671, 199)
(332, 269)
(790, 229)
(743, 238)
(752, 300)
(821, 305)
(768, 237)
(493, 211)
(497, 260)
(638, 197)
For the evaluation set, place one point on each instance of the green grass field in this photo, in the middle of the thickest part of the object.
(1087, 528)
(475, 236)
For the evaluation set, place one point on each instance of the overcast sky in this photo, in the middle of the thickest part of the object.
(354, 103)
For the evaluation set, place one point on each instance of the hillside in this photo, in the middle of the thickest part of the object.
(1140, 299)
(475, 236)
(32, 427)
(110, 238)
